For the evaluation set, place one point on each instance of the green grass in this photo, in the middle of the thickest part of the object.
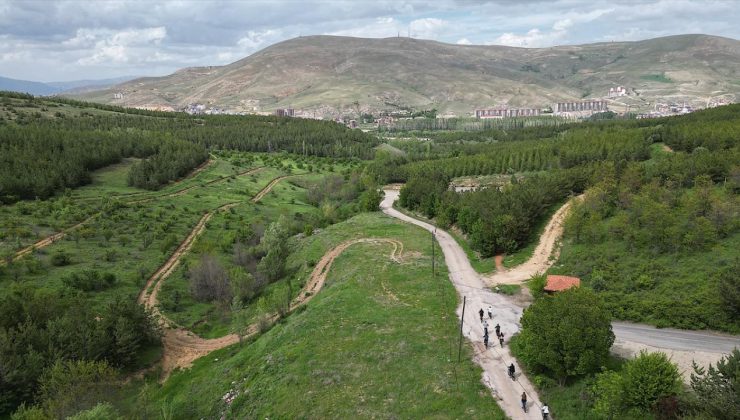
(508, 289)
(661, 78)
(376, 341)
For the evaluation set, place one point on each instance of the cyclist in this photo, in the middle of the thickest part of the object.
(512, 371)
(524, 401)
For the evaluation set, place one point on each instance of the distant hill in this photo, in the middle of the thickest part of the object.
(26, 86)
(52, 88)
(328, 73)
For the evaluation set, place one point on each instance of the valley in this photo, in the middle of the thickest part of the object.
(258, 266)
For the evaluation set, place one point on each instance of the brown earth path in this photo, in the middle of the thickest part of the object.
(269, 187)
(544, 255)
(182, 347)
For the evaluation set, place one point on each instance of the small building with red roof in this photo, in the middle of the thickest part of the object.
(557, 283)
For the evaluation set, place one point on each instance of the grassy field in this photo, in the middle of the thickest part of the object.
(375, 342)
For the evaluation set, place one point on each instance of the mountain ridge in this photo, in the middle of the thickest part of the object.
(330, 74)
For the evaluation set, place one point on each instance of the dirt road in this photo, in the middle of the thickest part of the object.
(506, 313)
(682, 346)
(543, 256)
(180, 346)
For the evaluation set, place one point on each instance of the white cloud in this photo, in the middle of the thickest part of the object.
(116, 46)
(427, 28)
(463, 41)
(255, 39)
(382, 27)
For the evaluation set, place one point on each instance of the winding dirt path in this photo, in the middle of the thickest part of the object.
(544, 255)
(182, 347)
(506, 313)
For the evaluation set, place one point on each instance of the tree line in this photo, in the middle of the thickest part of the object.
(44, 155)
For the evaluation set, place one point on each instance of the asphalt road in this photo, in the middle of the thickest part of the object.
(673, 339)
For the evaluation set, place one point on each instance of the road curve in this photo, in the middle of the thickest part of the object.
(506, 313)
(683, 346)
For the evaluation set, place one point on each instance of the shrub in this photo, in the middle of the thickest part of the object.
(59, 259)
(90, 280)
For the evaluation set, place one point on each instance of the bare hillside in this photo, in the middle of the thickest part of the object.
(327, 73)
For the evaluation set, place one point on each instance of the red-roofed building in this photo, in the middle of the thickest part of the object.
(557, 283)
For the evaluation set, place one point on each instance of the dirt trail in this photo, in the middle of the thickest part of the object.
(544, 254)
(59, 235)
(182, 347)
(186, 189)
(477, 296)
(200, 168)
(48, 240)
(269, 187)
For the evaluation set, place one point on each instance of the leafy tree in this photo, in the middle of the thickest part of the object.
(275, 244)
(718, 388)
(72, 386)
(566, 335)
(648, 378)
(370, 199)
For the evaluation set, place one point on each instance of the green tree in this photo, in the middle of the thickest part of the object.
(275, 244)
(566, 335)
(718, 388)
(68, 387)
(648, 378)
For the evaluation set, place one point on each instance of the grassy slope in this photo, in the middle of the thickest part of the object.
(684, 288)
(355, 351)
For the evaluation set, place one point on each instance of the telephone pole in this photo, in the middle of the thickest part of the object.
(462, 320)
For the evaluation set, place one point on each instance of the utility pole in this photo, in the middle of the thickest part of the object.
(462, 320)
(433, 274)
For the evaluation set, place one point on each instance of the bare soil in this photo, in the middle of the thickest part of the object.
(544, 255)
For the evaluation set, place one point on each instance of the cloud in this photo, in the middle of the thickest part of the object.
(535, 38)
(463, 41)
(427, 28)
(116, 46)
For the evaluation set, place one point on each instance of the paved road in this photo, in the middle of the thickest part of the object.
(673, 339)
(506, 313)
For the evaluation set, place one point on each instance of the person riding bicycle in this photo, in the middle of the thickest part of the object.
(545, 411)
(524, 401)
(512, 371)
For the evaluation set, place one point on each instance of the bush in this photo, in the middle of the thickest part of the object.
(90, 280)
(60, 259)
(646, 382)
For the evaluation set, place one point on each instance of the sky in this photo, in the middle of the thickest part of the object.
(62, 40)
